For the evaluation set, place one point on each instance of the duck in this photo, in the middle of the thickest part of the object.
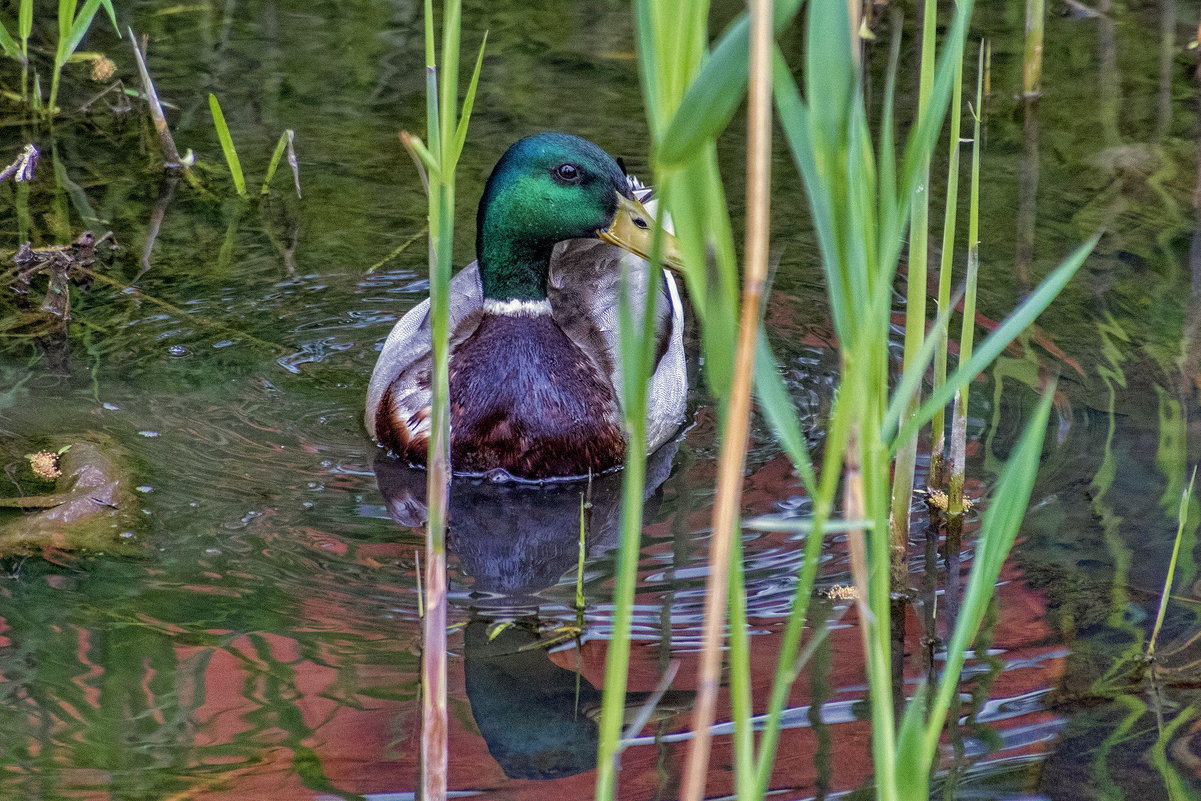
(535, 367)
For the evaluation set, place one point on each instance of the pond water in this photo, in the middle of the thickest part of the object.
(255, 633)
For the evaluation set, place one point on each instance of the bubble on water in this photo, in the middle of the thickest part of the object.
(177, 350)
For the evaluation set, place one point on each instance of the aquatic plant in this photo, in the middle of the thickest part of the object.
(861, 197)
(227, 146)
(446, 132)
(286, 143)
(73, 24)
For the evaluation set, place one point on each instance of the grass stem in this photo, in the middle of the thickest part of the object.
(1032, 55)
(1186, 498)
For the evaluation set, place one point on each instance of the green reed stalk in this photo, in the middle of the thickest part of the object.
(446, 130)
(938, 425)
(915, 312)
(958, 460)
(1186, 498)
(1032, 55)
(24, 31)
(671, 49)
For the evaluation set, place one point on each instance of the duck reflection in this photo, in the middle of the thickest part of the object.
(539, 720)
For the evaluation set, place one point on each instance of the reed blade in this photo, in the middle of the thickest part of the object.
(227, 146)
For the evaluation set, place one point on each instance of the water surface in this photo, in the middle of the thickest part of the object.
(257, 635)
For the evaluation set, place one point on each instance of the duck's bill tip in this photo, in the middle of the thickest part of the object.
(633, 229)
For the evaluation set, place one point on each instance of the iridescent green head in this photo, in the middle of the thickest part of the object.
(546, 188)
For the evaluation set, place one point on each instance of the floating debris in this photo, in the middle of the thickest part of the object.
(61, 264)
(44, 465)
(841, 592)
(23, 168)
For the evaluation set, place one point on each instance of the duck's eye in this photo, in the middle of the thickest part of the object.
(567, 173)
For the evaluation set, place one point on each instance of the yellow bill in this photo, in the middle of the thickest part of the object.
(633, 229)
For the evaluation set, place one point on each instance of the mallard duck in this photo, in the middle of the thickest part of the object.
(535, 374)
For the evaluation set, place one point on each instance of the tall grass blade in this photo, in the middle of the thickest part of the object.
(915, 314)
(227, 146)
(725, 545)
(469, 101)
(777, 407)
(924, 135)
(945, 271)
(442, 118)
(713, 97)
(995, 343)
(967, 331)
(636, 335)
(1186, 498)
(999, 529)
(8, 45)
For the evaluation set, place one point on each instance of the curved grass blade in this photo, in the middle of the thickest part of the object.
(715, 94)
(994, 343)
(469, 102)
(285, 144)
(777, 407)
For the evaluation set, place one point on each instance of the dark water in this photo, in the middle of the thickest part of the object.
(255, 634)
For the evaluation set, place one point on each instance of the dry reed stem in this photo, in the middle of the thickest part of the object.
(732, 458)
(434, 755)
(170, 153)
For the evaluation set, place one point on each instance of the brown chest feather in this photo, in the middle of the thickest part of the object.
(525, 398)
